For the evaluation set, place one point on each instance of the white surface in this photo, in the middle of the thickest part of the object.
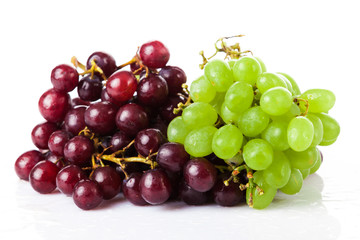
(317, 42)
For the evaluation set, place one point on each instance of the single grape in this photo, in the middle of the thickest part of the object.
(191, 196)
(57, 141)
(198, 115)
(121, 86)
(294, 184)
(68, 177)
(278, 173)
(131, 118)
(199, 141)
(109, 181)
(43, 177)
(25, 162)
(269, 80)
(320, 100)
(119, 140)
(300, 133)
(41, 133)
(294, 85)
(200, 174)
(175, 77)
(331, 129)
(239, 97)
(276, 101)
(253, 121)
(131, 189)
(100, 118)
(148, 141)
(318, 129)
(78, 150)
(172, 156)
(177, 130)
(228, 196)
(152, 91)
(222, 147)
(247, 69)
(104, 61)
(276, 135)
(258, 154)
(53, 105)
(262, 64)
(155, 186)
(64, 78)
(89, 89)
(75, 120)
(260, 201)
(154, 54)
(228, 116)
(302, 160)
(219, 74)
(201, 90)
(87, 194)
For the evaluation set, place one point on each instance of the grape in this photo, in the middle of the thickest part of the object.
(148, 141)
(305, 173)
(87, 194)
(100, 118)
(131, 118)
(258, 154)
(288, 83)
(192, 197)
(131, 189)
(228, 116)
(294, 184)
(198, 115)
(26, 162)
(104, 61)
(57, 141)
(68, 177)
(289, 115)
(261, 201)
(317, 164)
(300, 133)
(278, 173)
(41, 133)
(167, 110)
(239, 97)
(201, 90)
(43, 177)
(318, 129)
(198, 142)
(154, 54)
(222, 147)
(119, 140)
(294, 85)
(230, 195)
(75, 120)
(331, 129)
(262, 64)
(177, 130)
(109, 181)
(155, 186)
(64, 78)
(302, 160)
(200, 174)
(276, 135)
(174, 77)
(121, 86)
(269, 80)
(219, 74)
(276, 101)
(78, 150)
(247, 69)
(89, 89)
(152, 91)
(253, 121)
(217, 102)
(53, 105)
(172, 156)
(320, 100)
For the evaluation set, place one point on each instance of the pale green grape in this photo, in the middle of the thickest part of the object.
(201, 90)
(300, 133)
(262, 64)
(289, 115)
(239, 97)
(198, 115)
(276, 101)
(219, 74)
(278, 173)
(177, 130)
(198, 142)
(305, 173)
(247, 69)
(276, 135)
(288, 83)
(294, 85)
(318, 129)
(269, 80)
(331, 129)
(258, 154)
(253, 121)
(217, 102)
(227, 141)
(235, 160)
(228, 116)
(320, 100)
(294, 184)
(317, 164)
(260, 201)
(302, 160)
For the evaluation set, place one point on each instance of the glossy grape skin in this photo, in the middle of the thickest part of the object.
(247, 69)
(64, 78)
(78, 151)
(320, 100)
(177, 130)
(217, 102)
(41, 133)
(317, 164)
(172, 156)
(222, 147)
(25, 162)
(331, 129)
(75, 120)
(219, 74)
(294, 111)
(300, 133)
(227, 195)
(192, 197)
(104, 61)
(119, 140)
(68, 177)
(278, 173)
(253, 121)
(105, 97)
(154, 54)
(318, 129)
(87, 194)
(228, 116)
(198, 142)
(53, 105)
(109, 181)
(294, 184)
(57, 141)
(152, 91)
(100, 118)
(201, 90)
(43, 177)
(258, 154)
(269, 80)
(89, 89)
(198, 115)
(121, 86)
(175, 77)
(155, 186)
(276, 135)
(59, 161)
(302, 160)
(262, 64)
(148, 141)
(294, 85)
(200, 174)
(239, 97)
(167, 110)
(131, 189)
(131, 118)
(276, 101)
(78, 102)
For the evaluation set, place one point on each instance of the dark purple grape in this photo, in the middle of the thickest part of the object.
(43, 177)
(87, 194)
(160, 125)
(134, 67)
(64, 78)
(104, 61)
(200, 174)
(175, 77)
(175, 179)
(53, 105)
(192, 197)
(152, 91)
(68, 177)
(148, 141)
(74, 120)
(167, 110)
(215, 160)
(155, 186)
(41, 133)
(243, 179)
(79, 150)
(172, 156)
(109, 181)
(227, 195)
(119, 140)
(100, 118)
(57, 141)
(26, 162)
(131, 189)
(89, 89)
(154, 54)
(131, 118)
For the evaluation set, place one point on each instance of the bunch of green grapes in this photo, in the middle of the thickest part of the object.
(239, 108)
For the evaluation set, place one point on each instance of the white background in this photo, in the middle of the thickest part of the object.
(317, 42)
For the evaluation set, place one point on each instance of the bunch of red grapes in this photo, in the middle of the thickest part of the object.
(112, 137)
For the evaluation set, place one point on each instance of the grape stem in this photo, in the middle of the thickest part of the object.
(94, 68)
(137, 60)
(181, 105)
(298, 100)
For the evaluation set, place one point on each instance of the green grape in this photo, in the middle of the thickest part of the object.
(239, 97)
(227, 141)
(289, 115)
(269, 80)
(258, 154)
(260, 201)
(305, 173)
(288, 83)
(318, 129)
(177, 130)
(231, 63)
(302, 160)
(320, 100)
(331, 129)
(253, 121)
(300, 133)
(276, 135)
(262, 64)
(294, 85)
(228, 116)
(217, 102)
(278, 173)
(235, 160)
(198, 142)
(247, 69)
(294, 184)
(276, 101)
(201, 90)
(219, 74)
(317, 164)
(198, 115)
